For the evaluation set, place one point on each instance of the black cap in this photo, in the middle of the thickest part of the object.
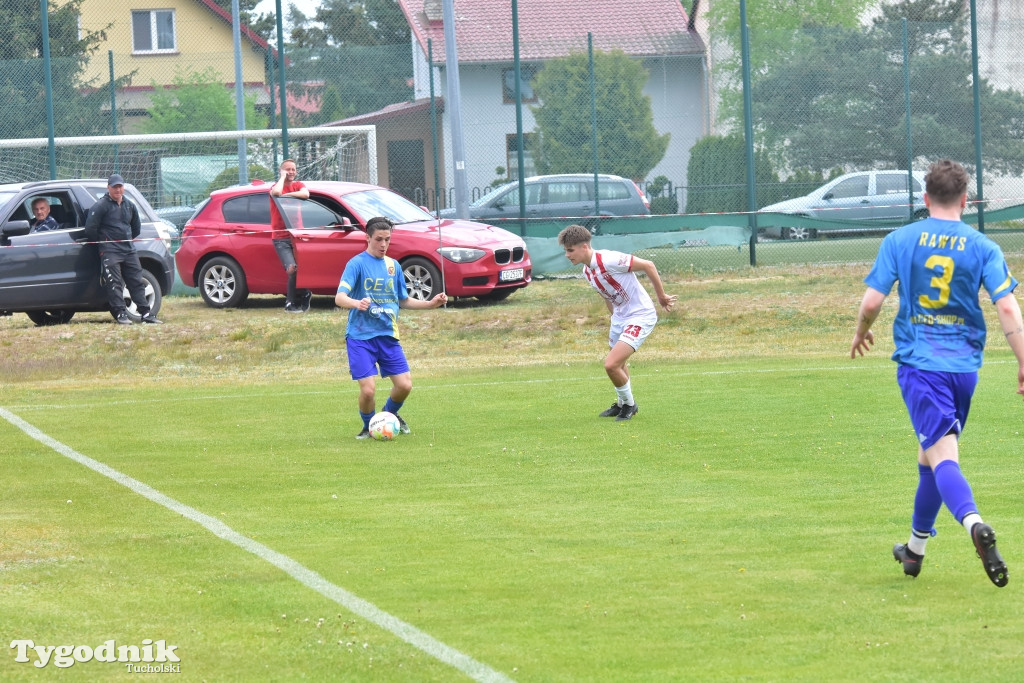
(115, 180)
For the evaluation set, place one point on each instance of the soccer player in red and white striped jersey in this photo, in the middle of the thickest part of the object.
(612, 274)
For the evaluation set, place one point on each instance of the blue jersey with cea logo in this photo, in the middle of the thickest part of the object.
(941, 265)
(381, 280)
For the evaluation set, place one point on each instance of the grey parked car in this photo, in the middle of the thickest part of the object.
(51, 275)
(864, 196)
(562, 196)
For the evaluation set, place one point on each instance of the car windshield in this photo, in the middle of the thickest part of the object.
(490, 193)
(385, 203)
(6, 197)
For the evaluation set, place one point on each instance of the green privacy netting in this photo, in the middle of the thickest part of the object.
(633, 233)
(548, 257)
(188, 177)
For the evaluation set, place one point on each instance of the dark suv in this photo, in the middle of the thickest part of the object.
(51, 275)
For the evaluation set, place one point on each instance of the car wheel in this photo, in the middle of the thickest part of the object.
(422, 278)
(153, 297)
(496, 295)
(798, 233)
(594, 226)
(921, 214)
(47, 318)
(222, 283)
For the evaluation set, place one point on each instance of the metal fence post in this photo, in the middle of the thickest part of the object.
(433, 127)
(593, 120)
(49, 89)
(520, 160)
(748, 131)
(977, 116)
(906, 105)
(284, 93)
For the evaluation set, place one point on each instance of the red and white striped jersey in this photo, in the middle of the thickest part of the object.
(609, 274)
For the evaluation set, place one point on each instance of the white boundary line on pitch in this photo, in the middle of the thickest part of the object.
(455, 385)
(307, 577)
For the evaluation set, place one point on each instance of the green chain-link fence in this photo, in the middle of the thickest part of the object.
(649, 98)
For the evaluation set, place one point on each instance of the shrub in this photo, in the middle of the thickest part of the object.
(717, 175)
(229, 177)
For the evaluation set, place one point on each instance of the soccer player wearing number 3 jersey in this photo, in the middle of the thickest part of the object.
(941, 263)
(611, 273)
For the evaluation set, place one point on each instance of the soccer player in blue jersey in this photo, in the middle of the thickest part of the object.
(941, 263)
(373, 289)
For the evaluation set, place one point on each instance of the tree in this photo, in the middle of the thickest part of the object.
(716, 174)
(359, 50)
(826, 90)
(264, 25)
(229, 177)
(627, 142)
(77, 103)
(840, 98)
(198, 101)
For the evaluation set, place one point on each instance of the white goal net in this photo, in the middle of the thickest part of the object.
(181, 169)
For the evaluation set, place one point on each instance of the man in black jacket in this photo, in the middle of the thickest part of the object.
(113, 223)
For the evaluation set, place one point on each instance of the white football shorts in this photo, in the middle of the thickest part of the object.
(632, 331)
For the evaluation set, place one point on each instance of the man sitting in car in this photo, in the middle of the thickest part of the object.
(43, 220)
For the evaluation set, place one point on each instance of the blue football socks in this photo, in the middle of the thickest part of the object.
(366, 419)
(393, 406)
(927, 503)
(956, 492)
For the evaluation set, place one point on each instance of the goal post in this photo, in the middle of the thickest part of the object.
(179, 168)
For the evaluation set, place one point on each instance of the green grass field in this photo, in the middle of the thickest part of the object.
(739, 528)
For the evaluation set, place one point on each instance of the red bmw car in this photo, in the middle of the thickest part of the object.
(226, 249)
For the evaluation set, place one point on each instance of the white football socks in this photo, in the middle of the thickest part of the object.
(625, 394)
(970, 519)
(918, 540)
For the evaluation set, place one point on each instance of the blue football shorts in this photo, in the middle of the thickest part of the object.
(632, 331)
(938, 402)
(366, 355)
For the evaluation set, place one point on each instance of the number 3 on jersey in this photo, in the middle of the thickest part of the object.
(939, 282)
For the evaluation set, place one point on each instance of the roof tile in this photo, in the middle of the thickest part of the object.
(554, 28)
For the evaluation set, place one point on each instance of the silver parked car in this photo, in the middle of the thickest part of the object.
(562, 196)
(864, 196)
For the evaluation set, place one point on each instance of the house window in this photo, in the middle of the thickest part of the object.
(153, 31)
(512, 154)
(508, 84)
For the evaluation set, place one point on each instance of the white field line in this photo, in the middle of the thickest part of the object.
(307, 577)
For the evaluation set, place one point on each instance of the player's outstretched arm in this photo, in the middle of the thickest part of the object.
(1013, 328)
(651, 271)
(863, 337)
(440, 299)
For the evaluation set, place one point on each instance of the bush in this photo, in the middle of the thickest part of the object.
(663, 197)
(718, 177)
(229, 177)
(664, 205)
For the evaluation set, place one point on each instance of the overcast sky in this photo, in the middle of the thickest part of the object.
(307, 7)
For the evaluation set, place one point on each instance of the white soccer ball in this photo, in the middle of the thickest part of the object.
(384, 426)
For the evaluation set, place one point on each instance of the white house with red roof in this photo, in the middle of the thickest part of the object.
(657, 32)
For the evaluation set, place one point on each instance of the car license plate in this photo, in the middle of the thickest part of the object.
(513, 274)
